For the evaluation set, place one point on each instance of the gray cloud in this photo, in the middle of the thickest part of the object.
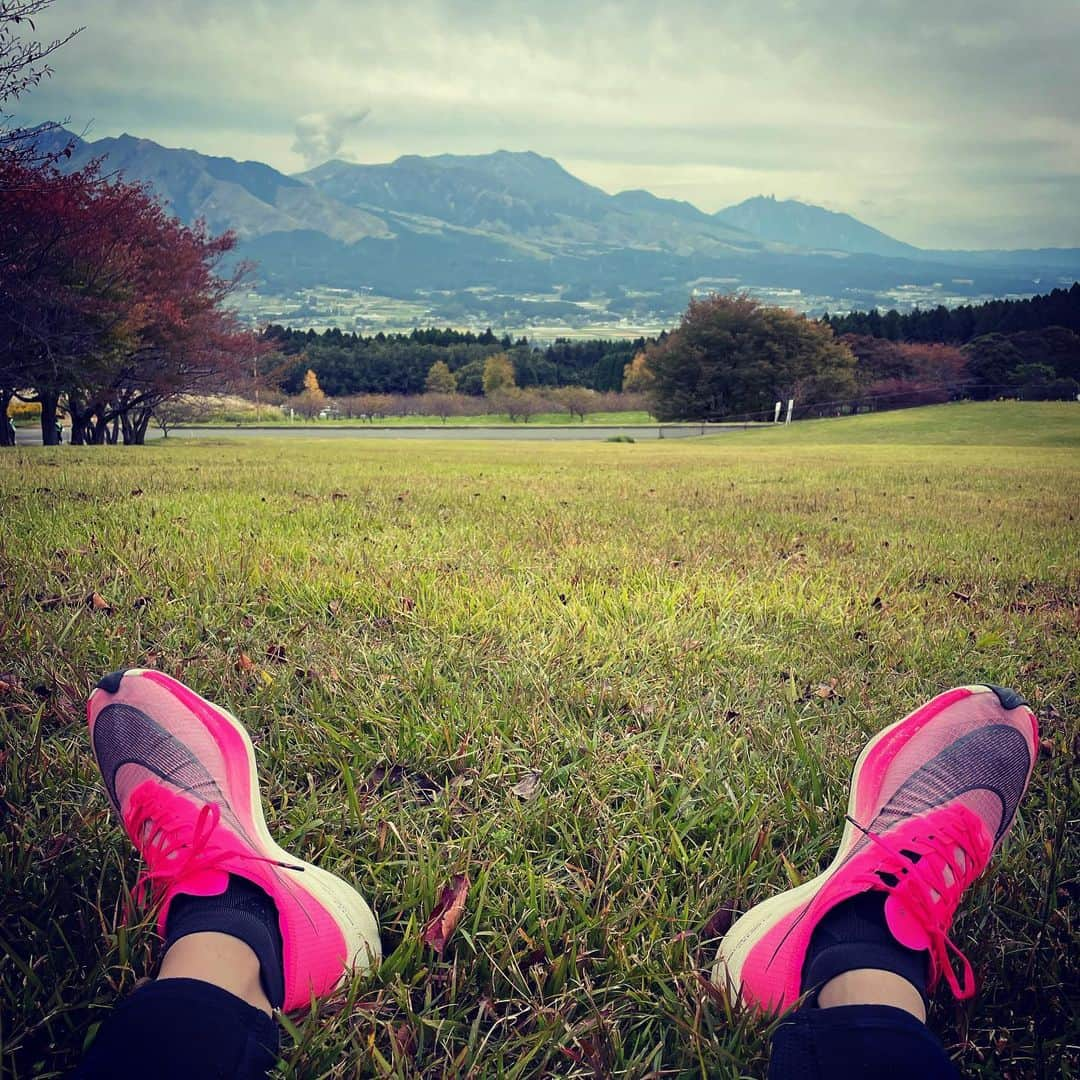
(937, 120)
(321, 136)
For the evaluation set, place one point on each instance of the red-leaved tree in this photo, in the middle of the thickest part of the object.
(107, 303)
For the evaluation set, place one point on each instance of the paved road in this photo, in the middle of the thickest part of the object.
(32, 437)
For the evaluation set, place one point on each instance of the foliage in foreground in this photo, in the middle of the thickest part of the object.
(621, 687)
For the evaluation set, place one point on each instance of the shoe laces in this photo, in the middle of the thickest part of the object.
(175, 849)
(926, 873)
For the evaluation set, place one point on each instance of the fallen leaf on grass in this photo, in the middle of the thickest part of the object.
(396, 776)
(245, 663)
(528, 787)
(404, 1039)
(789, 868)
(446, 914)
(719, 922)
(827, 690)
(98, 602)
(275, 654)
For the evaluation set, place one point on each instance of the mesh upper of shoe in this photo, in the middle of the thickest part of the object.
(181, 780)
(944, 785)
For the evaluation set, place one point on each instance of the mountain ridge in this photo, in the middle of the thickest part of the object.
(449, 228)
(806, 225)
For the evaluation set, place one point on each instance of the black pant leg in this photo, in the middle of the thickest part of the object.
(857, 1042)
(177, 1029)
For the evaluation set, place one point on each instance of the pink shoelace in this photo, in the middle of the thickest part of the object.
(929, 888)
(174, 851)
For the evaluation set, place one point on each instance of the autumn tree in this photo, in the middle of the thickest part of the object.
(107, 302)
(439, 404)
(731, 355)
(637, 378)
(440, 379)
(897, 374)
(498, 373)
(518, 404)
(179, 410)
(311, 401)
(576, 400)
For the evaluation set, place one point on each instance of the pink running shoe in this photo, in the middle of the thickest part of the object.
(932, 796)
(180, 772)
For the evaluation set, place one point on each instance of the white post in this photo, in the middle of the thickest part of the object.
(776, 414)
(790, 406)
(292, 414)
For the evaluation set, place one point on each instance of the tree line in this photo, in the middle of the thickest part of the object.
(440, 398)
(959, 325)
(349, 363)
(732, 357)
(1026, 348)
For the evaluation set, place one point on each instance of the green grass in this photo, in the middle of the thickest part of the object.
(645, 625)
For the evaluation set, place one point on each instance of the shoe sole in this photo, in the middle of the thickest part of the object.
(352, 913)
(749, 928)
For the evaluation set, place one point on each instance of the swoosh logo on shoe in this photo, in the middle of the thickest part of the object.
(993, 758)
(124, 735)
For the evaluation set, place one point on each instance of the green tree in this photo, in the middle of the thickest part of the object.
(731, 355)
(440, 379)
(470, 378)
(498, 373)
(991, 361)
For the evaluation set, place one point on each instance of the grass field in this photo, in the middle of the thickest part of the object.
(688, 641)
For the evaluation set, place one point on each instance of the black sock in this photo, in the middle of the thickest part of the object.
(242, 911)
(855, 935)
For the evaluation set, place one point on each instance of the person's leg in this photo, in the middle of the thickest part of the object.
(854, 1041)
(248, 927)
(860, 947)
(177, 1029)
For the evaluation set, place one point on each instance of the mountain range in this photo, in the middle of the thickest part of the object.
(472, 233)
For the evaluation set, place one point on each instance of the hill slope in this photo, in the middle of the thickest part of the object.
(1051, 424)
(248, 197)
(791, 222)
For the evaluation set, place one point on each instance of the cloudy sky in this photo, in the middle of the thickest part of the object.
(945, 123)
